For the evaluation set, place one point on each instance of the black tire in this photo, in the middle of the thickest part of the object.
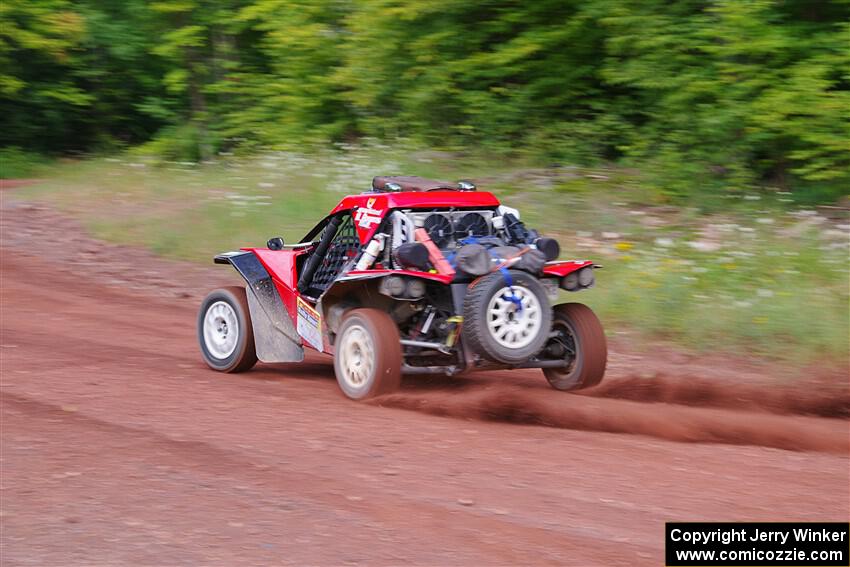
(377, 341)
(580, 330)
(243, 356)
(477, 332)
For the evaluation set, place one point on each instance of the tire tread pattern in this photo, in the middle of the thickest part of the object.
(388, 357)
(249, 355)
(591, 339)
(475, 317)
(246, 352)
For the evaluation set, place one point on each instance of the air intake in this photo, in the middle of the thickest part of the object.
(439, 229)
(471, 224)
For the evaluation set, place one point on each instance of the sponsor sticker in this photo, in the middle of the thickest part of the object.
(368, 215)
(309, 324)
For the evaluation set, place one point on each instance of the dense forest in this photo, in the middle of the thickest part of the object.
(704, 93)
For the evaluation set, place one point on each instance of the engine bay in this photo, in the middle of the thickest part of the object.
(472, 241)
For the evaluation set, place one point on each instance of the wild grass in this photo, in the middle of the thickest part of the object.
(751, 274)
(16, 163)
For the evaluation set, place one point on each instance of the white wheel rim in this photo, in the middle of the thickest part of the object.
(356, 356)
(221, 330)
(510, 325)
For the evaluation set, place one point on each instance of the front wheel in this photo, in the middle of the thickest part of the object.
(224, 331)
(367, 354)
(577, 337)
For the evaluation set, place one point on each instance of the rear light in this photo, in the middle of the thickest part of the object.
(570, 282)
(579, 280)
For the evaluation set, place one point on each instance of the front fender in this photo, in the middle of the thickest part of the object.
(275, 337)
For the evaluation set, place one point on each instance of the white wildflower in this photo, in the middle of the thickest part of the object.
(832, 233)
(704, 245)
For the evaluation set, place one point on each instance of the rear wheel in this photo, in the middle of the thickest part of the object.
(578, 338)
(367, 354)
(224, 331)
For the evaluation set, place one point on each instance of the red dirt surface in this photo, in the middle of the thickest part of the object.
(825, 398)
(15, 183)
(119, 446)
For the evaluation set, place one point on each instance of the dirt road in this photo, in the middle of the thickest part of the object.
(119, 447)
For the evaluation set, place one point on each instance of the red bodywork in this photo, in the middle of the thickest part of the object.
(368, 211)
(370, 208)
(280, 265)
(561, 269)
(379, 272)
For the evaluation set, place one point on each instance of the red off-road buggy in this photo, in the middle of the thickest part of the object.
(412, 277)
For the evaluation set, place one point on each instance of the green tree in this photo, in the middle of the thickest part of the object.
(42, 103)
(482, 72)
(287, 93)
(730, 93)
(705, 97)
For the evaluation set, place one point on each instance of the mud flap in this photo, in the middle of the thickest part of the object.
(271, 338)
(275, 337)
